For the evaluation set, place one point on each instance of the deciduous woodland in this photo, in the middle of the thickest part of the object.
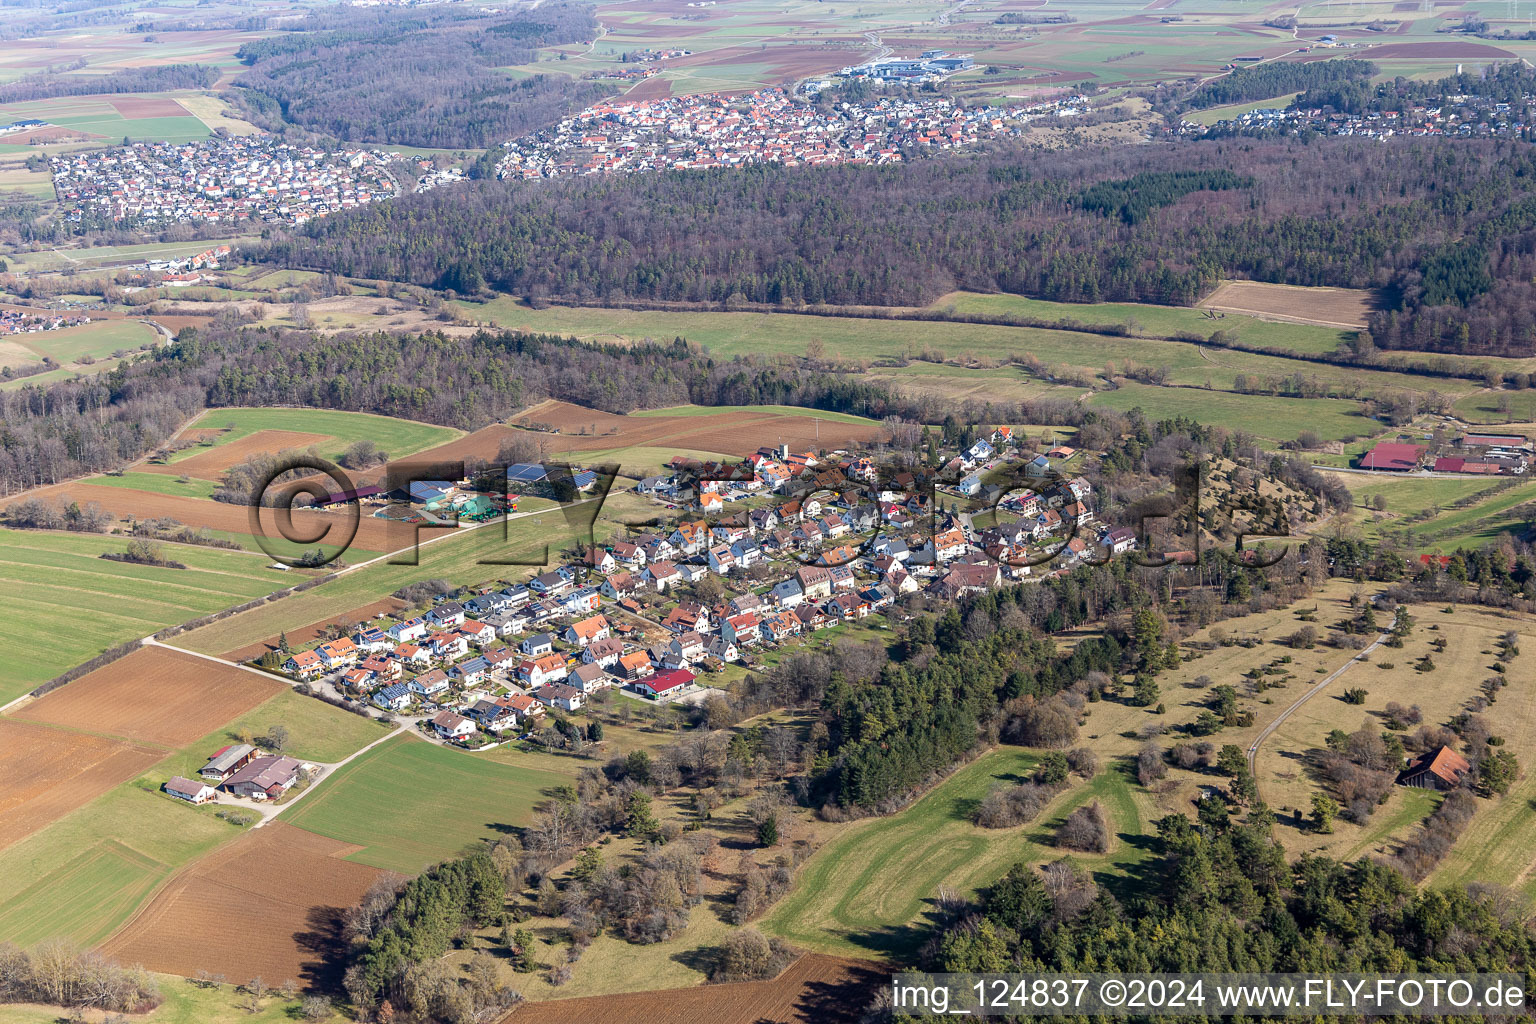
(151, 79)
(1336, 212)
(423, 77)
(1277, 79)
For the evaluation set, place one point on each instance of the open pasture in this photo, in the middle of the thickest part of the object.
(285, 886)
(863, 892)
(407, 804)
(153, 695)
(147, 119)
(106, 602)
(75, 347)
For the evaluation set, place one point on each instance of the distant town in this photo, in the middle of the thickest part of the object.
(768, 126)
(255, 178)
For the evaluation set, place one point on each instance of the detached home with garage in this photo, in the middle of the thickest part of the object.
(190, 790)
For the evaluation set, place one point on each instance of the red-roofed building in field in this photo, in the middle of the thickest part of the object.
(1449, 464)
(1495, 441)
(1441, 768)
(1394, 457)
(664, 683)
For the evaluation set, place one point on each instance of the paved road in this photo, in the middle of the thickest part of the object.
(1253, 748)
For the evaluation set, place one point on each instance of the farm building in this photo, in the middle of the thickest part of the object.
(226, 761)
(1441, 768)
(190, 790)
(1394, 457)
(265, 778)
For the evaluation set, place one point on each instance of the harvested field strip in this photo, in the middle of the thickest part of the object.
(287, 887)
(210, 463)
(739, 432)
(45, 773)
(154, 695)
(104, 881)
(1329, 307)
(221, 516)
(814, 990)
(396, 436)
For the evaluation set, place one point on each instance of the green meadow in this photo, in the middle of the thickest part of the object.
(410, 804)
(70, 604)
(395, 436)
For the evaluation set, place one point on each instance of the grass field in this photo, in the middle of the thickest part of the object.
(82, 876)
(1406, 497)
(397, 437)
(108, 255)
(92, 342)
(981, 348)
(59, 578)
(158, 483)
(1157, 321)
(863, 891)
(410, 803)
(1277, 419)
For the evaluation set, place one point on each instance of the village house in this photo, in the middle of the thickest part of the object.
(558, 695)
(663, 574)
(815, 581)
(452, 726)
(620, 585)
(339, 653)
(304, 665)
(537, 645)
(471, 672)
(191, 791)
(600, 560)
(604, 652)
(584, 632)
(394, 697)
(538, 671)
(492, 716)
(635, 665)
(446, 615)
(429, 684)
(665, 684)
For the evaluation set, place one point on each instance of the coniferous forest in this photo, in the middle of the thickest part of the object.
(1322, 211)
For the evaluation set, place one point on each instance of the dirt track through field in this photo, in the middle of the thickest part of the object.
(268, 904)
(816, 989)
(45, 773)
(154, 696)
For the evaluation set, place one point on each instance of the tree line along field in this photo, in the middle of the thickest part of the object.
(106, 602)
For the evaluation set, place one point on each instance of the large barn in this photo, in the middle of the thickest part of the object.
(1394, 456)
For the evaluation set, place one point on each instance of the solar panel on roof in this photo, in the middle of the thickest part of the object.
(526, 472)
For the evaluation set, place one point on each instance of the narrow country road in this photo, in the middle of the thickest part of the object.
(1253, 748)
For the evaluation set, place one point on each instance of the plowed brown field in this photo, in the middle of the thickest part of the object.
(153, 695)
(1330, 307)
(816, 989)
(267, 904)
(729, 433)
(210, 463)
(46, 773)
(146, 106)
(125, 503)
